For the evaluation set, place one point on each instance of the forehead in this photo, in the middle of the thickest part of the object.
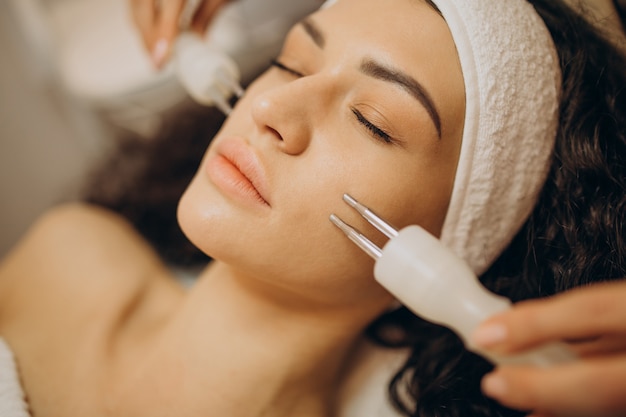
(408, 34)
(388, 17)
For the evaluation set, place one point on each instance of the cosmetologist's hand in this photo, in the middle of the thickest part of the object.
(592, 320)
(158, 22)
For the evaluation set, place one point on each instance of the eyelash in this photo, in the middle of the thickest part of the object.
(276, 63)
(374, 130)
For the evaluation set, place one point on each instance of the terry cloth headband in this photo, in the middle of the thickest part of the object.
(512, 85)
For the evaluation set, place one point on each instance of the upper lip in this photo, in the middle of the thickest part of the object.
(241, 155)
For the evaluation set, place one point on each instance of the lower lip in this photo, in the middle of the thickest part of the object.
(232, 182)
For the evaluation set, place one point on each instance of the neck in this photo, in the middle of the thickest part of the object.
(237, 348)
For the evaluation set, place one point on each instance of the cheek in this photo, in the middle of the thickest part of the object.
(295, 246)
(301, 247)
(411, 189)
(403, 191)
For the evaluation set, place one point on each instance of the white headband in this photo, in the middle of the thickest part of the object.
(512, 83)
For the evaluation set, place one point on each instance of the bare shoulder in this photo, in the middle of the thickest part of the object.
(75, 252)
(77, 293)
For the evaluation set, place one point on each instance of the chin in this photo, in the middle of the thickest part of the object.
(208, 220)
(191, 216)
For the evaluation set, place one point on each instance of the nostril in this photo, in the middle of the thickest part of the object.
(275, 133)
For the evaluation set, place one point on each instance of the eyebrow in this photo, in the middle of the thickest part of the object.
(381, 72)
(411, 85)
(314, 32)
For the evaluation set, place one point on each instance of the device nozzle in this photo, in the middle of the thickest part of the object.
(357, 237)
(374, 219)
(354, 235)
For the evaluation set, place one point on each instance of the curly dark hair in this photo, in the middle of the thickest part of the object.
(574, 237)
(142, 179)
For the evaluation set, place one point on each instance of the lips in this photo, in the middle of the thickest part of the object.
(236, 169)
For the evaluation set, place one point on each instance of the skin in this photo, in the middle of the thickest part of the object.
(88, 308)
(591, 321)
(302, 125)
(560, 391)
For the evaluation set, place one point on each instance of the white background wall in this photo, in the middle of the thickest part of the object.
(46, 142)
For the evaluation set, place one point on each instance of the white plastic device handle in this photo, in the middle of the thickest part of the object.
(208, 75)
(438, 286)
(239, 43)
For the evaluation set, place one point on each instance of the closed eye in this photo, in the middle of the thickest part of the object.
(377, 132)
(276, 63)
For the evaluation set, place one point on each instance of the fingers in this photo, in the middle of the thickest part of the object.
(593, 387)
(143, 13)
(608, 344)
(581, 314)
(157, 22)
(166, 30)
(205, 14)
(591, 319)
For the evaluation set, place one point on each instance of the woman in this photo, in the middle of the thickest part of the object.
(268, 327)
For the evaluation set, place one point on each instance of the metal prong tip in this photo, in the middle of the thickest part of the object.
(230, 83)
(361, 241)
(239, 91)
(220, 102)
(353, 203)
(375, 220)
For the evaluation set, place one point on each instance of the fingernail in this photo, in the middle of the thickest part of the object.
(489, 335)
(159, 52)
(494, 385)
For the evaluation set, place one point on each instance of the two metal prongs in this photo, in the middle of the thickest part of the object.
(357, 237)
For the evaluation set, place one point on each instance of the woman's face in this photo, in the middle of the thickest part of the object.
(368, 99)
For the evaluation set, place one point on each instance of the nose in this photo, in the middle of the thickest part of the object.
(288, 113)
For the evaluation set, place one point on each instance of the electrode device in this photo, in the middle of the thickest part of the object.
(438, 286)
(242, 39)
